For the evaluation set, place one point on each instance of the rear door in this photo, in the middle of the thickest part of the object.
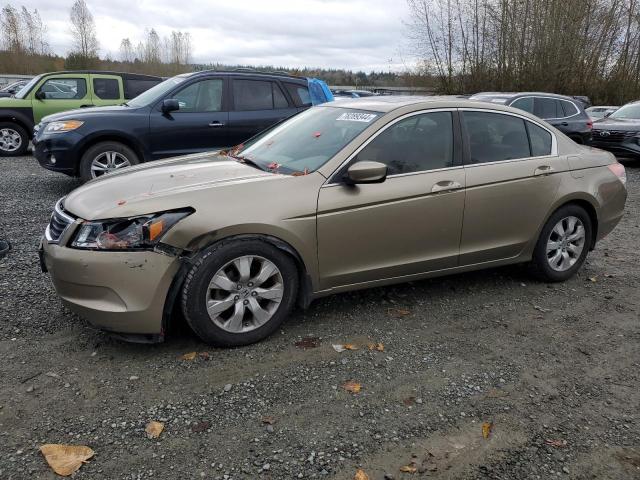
(407, 225)
(106, 90)
(201, 123)
(256, 105)
(59, 93)
(513, 173)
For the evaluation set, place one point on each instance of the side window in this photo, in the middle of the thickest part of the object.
(279, 100)
(252, 95)
(540, 140)
(134, 87)
(546, 108)
(494, 137)
(418, 143)
(569, 108)
(64, 88)
(525, 104)
(299, 93)
(106, 88)
(202, 96)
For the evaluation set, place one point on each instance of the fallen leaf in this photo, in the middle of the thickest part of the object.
(360, 475)
(66, 459)
(154, 429)
(556, 443)
(308, 342)
(339, 348)
(409, 401)
(486, 429)
(408, 469)
(398, 312)
(268, 419)
(350, 346)
(352, 387)
(189, 356)
(376, 346)
(593, 279)
(200, 427)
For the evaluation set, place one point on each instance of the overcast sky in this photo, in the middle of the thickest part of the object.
(352, 34)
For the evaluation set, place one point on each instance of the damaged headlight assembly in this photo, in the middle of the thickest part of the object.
(134, 233)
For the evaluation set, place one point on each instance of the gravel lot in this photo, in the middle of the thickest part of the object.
(554, 367)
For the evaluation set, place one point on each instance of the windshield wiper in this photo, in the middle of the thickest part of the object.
(247, 161)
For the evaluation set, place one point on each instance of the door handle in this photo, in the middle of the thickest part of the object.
(543, 170)
(445, 186)
(216, 124)
(87, 105)
(565, 124)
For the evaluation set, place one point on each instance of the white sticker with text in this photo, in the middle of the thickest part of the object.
(357, 117)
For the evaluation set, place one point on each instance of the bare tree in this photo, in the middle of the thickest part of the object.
(126, 51)
(12, 32)
(83, 29)
(34, 32)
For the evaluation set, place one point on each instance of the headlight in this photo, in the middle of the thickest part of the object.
(66, 126)
(137, 233)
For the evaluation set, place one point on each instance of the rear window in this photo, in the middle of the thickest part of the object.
(251, 95)
(106, 88)
(134, 87)
(299, 93)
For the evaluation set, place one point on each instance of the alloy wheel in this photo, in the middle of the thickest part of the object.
(565, 243)
(10, 140)
(244, 294)
(107, 162)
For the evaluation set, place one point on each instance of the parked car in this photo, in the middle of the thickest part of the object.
(565, 113)
(59, 91)
(619, 132)
(598, 112)
(12, 88)
(353, 93)
(189, 113)
(342, 196)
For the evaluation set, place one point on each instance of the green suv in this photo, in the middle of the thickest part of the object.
(59, 91)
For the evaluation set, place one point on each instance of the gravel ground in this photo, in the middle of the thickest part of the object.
(555, 368)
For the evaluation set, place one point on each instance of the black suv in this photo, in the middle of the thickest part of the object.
(565, 113)
(619, 132)
(189, 113)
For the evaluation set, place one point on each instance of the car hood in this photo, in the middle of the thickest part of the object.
(80, 113)
(624, 124)
(160, 186)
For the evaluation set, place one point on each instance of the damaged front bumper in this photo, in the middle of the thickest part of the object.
(121, 292)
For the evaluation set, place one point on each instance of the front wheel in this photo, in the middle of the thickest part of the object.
(563, 245)
(106, 157)
(239, 292)
(14, 140)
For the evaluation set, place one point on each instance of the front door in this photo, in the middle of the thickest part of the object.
(513, 173)
(60, 93)
(201, 123)
(408, 224)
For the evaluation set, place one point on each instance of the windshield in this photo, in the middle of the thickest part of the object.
(628, 111)
(305, 142)
(24, 90)
(155, 93)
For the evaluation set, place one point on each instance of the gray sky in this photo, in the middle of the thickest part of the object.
(351, 34)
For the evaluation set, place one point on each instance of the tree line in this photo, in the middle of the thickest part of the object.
(575, 47)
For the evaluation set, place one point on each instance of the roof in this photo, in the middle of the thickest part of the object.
(387, 103)
(243, 71)
(138, 76)
(521, 94)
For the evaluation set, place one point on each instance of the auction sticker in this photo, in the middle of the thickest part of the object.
(357, 117)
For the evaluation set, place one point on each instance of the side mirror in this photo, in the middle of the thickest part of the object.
(366, 172)
(40, 95)
(170, 105)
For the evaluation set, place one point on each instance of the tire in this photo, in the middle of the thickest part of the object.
(111, 155)
(14, 140)
(546, 265)
(232, 321)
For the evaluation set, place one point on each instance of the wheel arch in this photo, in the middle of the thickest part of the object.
(109, 137)
(588, 203)
(19, 120)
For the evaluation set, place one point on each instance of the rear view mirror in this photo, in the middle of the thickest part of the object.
(40, 95)
(170, 105)
(366, 172)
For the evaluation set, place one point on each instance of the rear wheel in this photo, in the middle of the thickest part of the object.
(14, 140)
(563, 245)
(106, 157)
(239, 292)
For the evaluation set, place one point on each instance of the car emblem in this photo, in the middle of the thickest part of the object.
(605, 133)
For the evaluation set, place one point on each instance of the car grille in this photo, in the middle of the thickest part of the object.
(614, 136)
(60, 221)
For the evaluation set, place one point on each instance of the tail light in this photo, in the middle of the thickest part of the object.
(618, 170)
(590, 125)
